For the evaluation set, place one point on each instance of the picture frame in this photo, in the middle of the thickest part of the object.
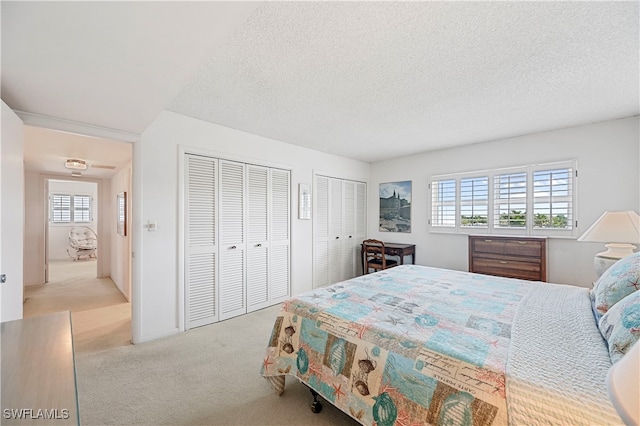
(304, 201)
(395, 207)
(121, 213)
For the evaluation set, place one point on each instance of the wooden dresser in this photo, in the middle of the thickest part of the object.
(513, 257)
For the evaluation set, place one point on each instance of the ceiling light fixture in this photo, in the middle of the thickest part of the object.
(75, 164)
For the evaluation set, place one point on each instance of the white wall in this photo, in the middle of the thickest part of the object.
(11, 214)
(609, 179)
(34, 229)
(36, 221)
(155, 194)
(121, 245)
(59, 232)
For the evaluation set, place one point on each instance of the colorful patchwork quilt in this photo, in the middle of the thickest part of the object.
(407, 345)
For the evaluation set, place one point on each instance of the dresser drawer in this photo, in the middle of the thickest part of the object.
(527, 248)
(508, 268)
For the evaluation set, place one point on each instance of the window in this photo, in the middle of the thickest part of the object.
(529, 200)
(443, 203)
(474, 201)
(81, 208)
(510, 205)
(65, 208)
(552, 201)
(60, 208)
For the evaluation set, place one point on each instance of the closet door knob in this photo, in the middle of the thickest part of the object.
(233, 247)
(258, 245)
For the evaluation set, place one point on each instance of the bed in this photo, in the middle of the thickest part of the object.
(416, 345)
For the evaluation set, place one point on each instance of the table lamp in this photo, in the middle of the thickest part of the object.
(623, 385)
(619, 230)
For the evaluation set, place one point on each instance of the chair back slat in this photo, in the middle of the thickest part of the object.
(374, 256)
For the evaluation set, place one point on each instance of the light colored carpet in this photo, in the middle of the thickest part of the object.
(205, 376)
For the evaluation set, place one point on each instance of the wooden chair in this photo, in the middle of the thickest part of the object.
(374, 257)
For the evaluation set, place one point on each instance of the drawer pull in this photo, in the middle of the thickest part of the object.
(521, 242)
(504, 262)
(488, 241)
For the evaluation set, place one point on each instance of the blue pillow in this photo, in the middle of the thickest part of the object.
(620, 326)
(617, 282)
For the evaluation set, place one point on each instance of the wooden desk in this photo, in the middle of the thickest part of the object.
(394, 249)
(38, 371)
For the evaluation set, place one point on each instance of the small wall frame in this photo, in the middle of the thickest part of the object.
(304, 201)
(121, 213)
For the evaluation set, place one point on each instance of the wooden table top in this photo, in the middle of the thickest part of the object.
(38, 371)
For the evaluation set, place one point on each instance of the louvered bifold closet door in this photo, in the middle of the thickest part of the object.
(200, 241)
(257, 237)
(320, 232)
(232, 240)
(348, 230)
(280, 240)
(361, 222)
(335, 230)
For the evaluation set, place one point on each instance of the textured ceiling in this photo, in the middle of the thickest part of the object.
(374, 80)
(365, 80)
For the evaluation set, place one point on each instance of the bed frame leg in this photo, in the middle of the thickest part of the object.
(316, 406)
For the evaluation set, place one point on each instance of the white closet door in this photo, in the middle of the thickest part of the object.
(200, 241)
(257, 237)
(232, 240)
(280, 239)
(335, 230)
(321, 231)
(361, 223)
(349, 229)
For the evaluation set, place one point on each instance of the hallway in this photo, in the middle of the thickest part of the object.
(100, 314)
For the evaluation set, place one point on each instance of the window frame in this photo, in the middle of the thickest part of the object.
(70, 208)
(529, 201)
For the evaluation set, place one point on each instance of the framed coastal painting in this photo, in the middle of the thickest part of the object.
(395, 206)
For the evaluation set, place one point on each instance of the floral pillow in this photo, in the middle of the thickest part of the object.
(617, 282)
(620, 326)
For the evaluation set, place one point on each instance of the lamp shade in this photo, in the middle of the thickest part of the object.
(623, 385)
(614, 227)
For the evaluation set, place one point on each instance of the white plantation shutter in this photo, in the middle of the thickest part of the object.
(60, 210)
(535, 199)
(443, 203)
(510, 200)
(200, 247)
(81, 208)
(232, 232)
(474, 201)
(553, 198)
